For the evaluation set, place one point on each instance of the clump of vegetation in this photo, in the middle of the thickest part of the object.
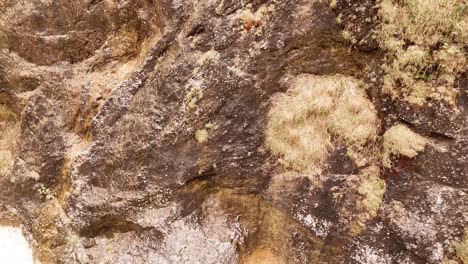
(354, 117)
(254, 19)
(3, 159)
(45, 192)
(461, 248)
(6, 114)
(9, 131)
(302, 122)
(209, 125)
(373, 189)
(201, 136)
(193, 97)
(348, 36)
(424, 22)
(399, 140)
(424, 39)
(339, 19)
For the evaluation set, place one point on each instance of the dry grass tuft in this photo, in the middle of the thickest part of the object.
(252, 19)
(348, 36)
(193, 97)
(9, 130)
(425, 41)
(7, 146)
(373, 189)
(354, 117)
(201, 136)
(302, 122)
(401, 141)
(461, 248)
(423, 22)
(6, 114)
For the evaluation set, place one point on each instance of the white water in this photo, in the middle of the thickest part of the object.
(14, 248)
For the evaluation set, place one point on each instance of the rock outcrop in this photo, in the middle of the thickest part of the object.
(136, 132)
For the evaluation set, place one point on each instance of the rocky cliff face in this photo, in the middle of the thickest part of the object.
(136, 131)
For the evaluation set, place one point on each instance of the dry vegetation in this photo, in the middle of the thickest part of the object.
(252, 19)
(461, 248)
(373, 189)
(6, 114)
(399, 140)
(8, 134)
(201, 136)
(424, 39)
(302, 122)
(193, 97)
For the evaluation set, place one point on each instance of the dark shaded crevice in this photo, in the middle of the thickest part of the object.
(196, 30)
(440, 136)
(110, 225)
(93, 3)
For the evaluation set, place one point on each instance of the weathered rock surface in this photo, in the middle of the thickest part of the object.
(106, 168)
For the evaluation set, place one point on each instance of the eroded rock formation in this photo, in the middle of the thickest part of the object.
(101, 101)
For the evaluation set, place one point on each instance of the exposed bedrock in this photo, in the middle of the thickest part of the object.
(143, 131)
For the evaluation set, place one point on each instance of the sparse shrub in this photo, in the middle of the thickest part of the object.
(399, 140)
(423, 22)
(302, 122)
(424, 39)
(201, 136)
(251, 19)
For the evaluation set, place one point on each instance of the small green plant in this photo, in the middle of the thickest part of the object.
(45, 192)
(424, 72)
(201, 136)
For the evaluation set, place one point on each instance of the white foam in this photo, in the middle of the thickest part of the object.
(13, 247)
